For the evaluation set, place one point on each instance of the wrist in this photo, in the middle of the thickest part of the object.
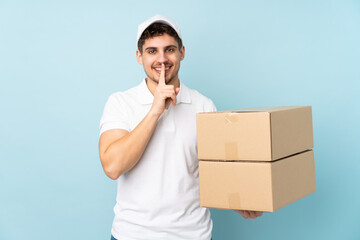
(154, 114)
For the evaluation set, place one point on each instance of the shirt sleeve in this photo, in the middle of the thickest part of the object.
(210, 106)
(115, 115)
(213, 107)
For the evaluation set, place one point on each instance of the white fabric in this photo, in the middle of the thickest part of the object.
(159, 197)
(154, 19)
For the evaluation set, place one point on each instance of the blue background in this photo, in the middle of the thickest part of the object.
(60, 60)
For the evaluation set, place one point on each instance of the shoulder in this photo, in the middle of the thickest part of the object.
(201, 100)
(125, 97)
(127, 93)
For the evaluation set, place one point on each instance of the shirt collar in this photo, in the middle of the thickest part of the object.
(146, 97)
(184, 94)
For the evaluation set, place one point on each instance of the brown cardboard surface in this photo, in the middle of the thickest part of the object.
(257, 186)
(254, 134)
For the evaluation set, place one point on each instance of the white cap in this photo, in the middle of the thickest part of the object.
(157, 18)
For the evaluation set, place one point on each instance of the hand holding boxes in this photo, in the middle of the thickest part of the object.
(255, 159)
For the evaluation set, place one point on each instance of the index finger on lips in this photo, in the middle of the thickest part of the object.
(162, 75)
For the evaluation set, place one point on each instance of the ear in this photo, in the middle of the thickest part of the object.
(139, 57)
(182, 53)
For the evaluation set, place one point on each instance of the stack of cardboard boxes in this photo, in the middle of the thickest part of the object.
(255, 159)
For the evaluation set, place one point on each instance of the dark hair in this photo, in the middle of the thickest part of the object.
(158, 29)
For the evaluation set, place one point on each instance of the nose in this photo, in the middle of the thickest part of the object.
(162, 57)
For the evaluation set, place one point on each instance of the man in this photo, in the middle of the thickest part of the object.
(148, 143)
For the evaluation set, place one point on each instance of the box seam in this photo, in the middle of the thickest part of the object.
(271, 138)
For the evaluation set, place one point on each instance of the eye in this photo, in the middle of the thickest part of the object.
(152, 51)
(170, 50)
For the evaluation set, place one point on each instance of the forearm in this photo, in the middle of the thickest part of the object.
(123, 154)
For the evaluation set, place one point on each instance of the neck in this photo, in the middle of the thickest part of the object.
(152, 85)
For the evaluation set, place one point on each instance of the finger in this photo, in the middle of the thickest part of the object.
(162, 75)
(259, 214)
(252, 214)
(239, 211)
(169, 88)
(167, 103)
(165, 94)
(170, 98)
(177, 90)
(173, 99)
(245, 214)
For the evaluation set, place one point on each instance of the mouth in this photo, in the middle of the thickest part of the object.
(158, 69)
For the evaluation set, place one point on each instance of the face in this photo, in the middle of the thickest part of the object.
(158, 50)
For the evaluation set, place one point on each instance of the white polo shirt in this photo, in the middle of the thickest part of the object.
(159, 197)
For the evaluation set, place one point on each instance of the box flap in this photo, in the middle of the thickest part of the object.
(265, 109)
(253, 109)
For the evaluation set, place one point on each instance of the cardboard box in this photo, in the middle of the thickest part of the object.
(258, 186)
(254, 134)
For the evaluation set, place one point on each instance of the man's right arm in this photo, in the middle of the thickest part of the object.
(119, 149)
